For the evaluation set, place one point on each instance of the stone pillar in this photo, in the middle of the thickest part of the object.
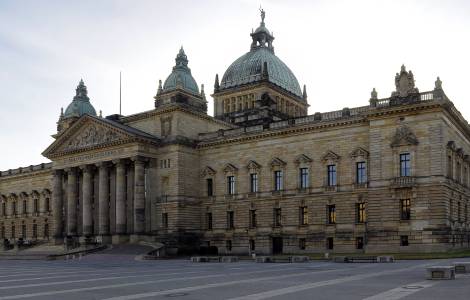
(87, 195)
(130, 199)
(72, 194)
(103, 195)
(121, 226)
(139, 195)
(57, 199)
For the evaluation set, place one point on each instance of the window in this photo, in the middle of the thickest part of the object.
(404, 240)
(230, 220)
(360, 243)
(210, 187)
(329, 243)
(209, 220)
(331, 214)
(13, 231)
(303, 178)
(2, 232)
(459, 172)
(36, 205)
(253, 182)
(302, 244)
(228, 245)
(303, 213)
(4, 209)
(14, 208)
(252, 245)
(277, 217)
(46, 230)
(405, 209)
(278, 180)
(23, 230)
(165, 220)
(449, 166)
(361, 174)
(331, 175)
(405, 164)
(231, 185)
(48, 205)
(459, 211)
(252, 218)
(35, 230)
(25, 207)
(361, 212)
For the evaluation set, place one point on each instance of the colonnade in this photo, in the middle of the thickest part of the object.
(107, 198)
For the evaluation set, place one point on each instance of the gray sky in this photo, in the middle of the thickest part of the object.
(339, 49)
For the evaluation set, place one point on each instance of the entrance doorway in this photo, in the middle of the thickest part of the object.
(277, 245)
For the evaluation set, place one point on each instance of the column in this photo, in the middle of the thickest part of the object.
(87, 189)
(72, 195)
(57, 203)
(130, 199)
(121, 226)
(103, 195)
(139, 195)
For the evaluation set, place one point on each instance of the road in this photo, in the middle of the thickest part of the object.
(121, 277)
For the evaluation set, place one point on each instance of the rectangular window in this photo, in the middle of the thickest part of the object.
(13, 231)
(252, 218)
(459, 219)
(459, 172)
(35, 230)
(14, 208)
(405, 209)
(303, 213)
(48, 205)
(449, 166)
(361, 212)
(231, 185)
(252, 245)
(303, 178)
(331, 175)
(361, 174)
(23, 231)
(302, 244)
(46, 230)
(404, 240)
(360, 243)
(228, 245)
(230, 224)
(4, 209)
(278, 180)
(331, 214)
(329, 243)
(209, 220)
(210, 187)
(36, 206)
(277, 217)
(405, 164)
(25, 207)
(165, 220)
(253, 182)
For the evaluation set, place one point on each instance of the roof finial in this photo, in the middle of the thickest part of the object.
(216, 83)
(263, 14)
(373, 94)
(101, 113)
(304, 93)
(438, 84)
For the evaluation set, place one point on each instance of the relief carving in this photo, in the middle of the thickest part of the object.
(92, 136)
(404, 136)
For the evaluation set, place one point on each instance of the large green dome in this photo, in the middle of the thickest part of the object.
(181, 76)
(81, 103)
(249, 68)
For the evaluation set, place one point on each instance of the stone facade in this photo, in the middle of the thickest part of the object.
(260, 176)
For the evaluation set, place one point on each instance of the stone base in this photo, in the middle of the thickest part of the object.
(118, 239)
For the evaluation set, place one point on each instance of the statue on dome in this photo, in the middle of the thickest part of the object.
(263, 14)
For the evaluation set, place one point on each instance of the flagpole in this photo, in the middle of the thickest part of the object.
(120, 94)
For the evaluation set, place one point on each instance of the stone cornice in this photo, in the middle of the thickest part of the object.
(20, 176)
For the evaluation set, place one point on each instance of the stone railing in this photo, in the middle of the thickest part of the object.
(40, 167)
(421, 97)
(404, 181)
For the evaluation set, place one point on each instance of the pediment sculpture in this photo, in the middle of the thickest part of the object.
(404, 136)
(91, 136)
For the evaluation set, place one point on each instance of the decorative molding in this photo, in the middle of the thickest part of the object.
(359, 152)
(302, 158)
(208, 171)
(91, 136)
(404, 136)
(331, 156)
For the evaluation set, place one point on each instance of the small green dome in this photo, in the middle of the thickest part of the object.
(81, 103)
(181, 76)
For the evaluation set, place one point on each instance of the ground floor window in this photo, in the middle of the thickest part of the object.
(360, 243)
(252, 245)
(404, 240)
(329, 243)
(302, 244)
(165, 220)
(228, 245)
(35, 230)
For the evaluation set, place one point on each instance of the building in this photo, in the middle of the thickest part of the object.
(260, 176)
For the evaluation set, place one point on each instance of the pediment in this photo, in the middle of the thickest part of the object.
(208, 171)
(91, 133)
(277, 162)
(404, 136)
(331, 156)
(229, 168)
(303, 159)
(360, 152)
(253, 165)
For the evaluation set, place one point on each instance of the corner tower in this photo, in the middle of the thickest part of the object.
(180, 87)
(258, 87)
